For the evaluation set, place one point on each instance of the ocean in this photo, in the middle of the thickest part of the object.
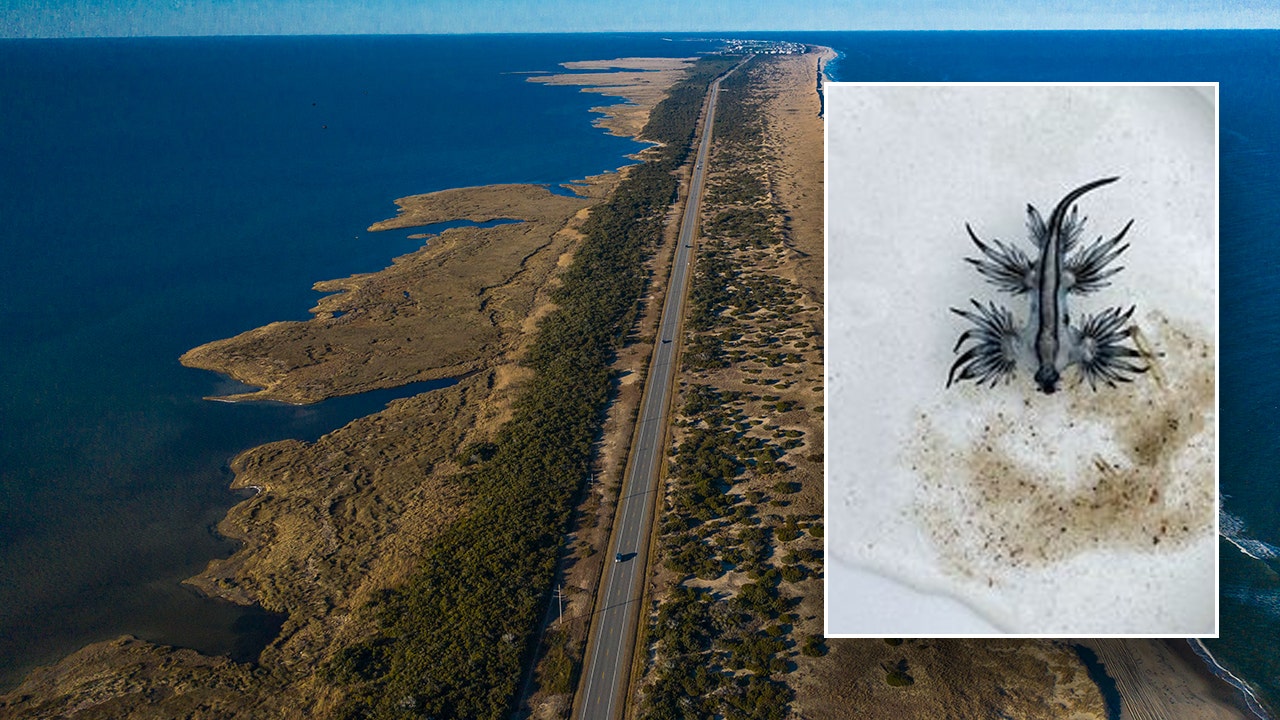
(1249, 105)
(157, 194)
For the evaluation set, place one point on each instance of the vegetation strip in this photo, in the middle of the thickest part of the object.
(451, 641)
(717, 653)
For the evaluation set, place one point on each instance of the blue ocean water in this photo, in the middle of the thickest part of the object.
(156, 194)
(1249, 94)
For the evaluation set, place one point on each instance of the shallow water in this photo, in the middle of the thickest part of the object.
(100, 548)
(1106, 684)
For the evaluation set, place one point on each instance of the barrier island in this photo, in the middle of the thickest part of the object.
(440, 558)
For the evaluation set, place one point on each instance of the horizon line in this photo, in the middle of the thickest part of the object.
(718, 34)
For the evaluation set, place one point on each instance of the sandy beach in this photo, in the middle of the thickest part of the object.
(1159, 679)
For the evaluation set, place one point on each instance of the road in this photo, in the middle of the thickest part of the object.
(609, 652)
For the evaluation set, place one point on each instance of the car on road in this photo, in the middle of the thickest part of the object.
(617, 557)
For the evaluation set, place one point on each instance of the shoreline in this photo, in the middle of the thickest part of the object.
(1160, 677)
(1218, 671)
(302, 362)
(639, 82)
(450, 308)
(826, 56)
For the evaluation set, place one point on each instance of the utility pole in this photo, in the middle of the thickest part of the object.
(560, 600)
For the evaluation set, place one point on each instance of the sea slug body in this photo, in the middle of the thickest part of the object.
(1064, 266)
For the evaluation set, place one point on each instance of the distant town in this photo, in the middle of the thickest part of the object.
(762, 47)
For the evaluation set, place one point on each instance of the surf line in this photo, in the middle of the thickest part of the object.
(1258, 545)
(1198, 647)
(1264, 551)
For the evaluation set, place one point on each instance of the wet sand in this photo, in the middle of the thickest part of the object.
(1160, 679)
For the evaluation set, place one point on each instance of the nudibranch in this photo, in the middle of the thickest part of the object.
(1098, 345)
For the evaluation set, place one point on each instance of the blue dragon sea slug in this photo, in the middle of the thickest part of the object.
(1064, 266)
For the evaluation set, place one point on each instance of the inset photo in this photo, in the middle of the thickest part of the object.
(1021, 369)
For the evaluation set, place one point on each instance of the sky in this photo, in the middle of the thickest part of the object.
(114, 18)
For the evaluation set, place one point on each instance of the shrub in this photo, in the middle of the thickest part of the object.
(814, 646)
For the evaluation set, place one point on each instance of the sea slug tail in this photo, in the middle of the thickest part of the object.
(1057, 218)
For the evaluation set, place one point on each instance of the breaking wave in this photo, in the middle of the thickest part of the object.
(1234, 530)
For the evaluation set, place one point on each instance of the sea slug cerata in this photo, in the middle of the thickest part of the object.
(1064, 266)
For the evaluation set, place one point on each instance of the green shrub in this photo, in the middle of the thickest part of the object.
(814, 646)
(793, 573)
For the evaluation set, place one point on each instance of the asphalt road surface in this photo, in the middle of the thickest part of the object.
(608, 661)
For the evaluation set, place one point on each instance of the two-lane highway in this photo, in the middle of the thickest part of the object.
(609, 652)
